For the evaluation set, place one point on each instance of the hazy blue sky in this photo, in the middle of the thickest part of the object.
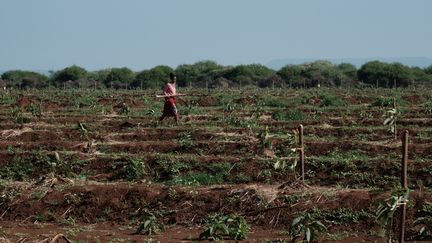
(140, 34)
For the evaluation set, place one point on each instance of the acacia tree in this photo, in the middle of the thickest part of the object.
(291, 74)
(70, 74)
(153, 78)
(249, 74)
(385, 75)
(119, 77)
(24, 79)
(198, 74)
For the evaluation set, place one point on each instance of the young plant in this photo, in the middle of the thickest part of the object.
(149, 224)
(17, 115)
(390, 118)
(35, 109)
(124, 109)
(229, 107)
(305, 227)
(426, 227)
(220, 227)
(132, 169)
(386, 210)
(185, 140)
(425, 222)
(426, 108)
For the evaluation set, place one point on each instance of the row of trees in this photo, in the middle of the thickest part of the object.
(212, 75)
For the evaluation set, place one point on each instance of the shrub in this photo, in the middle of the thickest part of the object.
(331, 100)
(222, 226)
(290, 115)
(305, 227)
(132, 169)
(149, 224)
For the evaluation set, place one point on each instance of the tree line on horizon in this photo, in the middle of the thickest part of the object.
(209, 74)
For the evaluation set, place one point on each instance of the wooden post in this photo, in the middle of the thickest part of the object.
(404, 182)
(301, 143)
(394, 125)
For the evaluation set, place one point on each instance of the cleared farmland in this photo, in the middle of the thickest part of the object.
(88, 163)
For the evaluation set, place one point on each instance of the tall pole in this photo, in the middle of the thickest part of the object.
(394, 125)
(404, 182)
(301, 143)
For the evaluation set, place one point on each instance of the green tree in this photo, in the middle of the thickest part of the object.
(70, 74)
(198, 74)
(385, 75)
(98, 77)
(249, 74)
(349, 70)
(323, 72)
(119, 77)
(373, 72)
(153, 78)
(428, 70)
(292, 74)
(400, 75)
(24, 79)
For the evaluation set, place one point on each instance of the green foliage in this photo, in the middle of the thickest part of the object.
(426, 108)
(119, 77)
(425, 222)
(83, 100)
(72, 73)
(331, 100)
(220, 227)
(24, 79)
(266, 140)
(17, 115)
(131, 169)
(283, 165)
(272, 101)
(198, 74)
(349, 70)
(166, 169)
(390, 118)
(426, 227)
(22, 167)
(243, 75)
(185, 141)
(229, 107)
(341, 216)
(149, 224)
(35, 109)
(124, 109)
(154, 78)
(217, 174)
(385, 74)
(291, 74)
(240, 122)
(386, 209)
(290, 115)
(305, 227)
(382, 102)
(7, 98)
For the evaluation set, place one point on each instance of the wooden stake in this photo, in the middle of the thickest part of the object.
(404, 182)
(394, 125)
(301, 143)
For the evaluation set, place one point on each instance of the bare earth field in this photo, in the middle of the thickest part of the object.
(93, 165)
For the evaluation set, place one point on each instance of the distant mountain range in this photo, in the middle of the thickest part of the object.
(358, 62)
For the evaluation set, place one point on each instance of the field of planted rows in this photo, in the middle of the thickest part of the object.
(96, 166)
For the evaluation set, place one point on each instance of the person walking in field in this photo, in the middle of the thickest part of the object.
(169, 107)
